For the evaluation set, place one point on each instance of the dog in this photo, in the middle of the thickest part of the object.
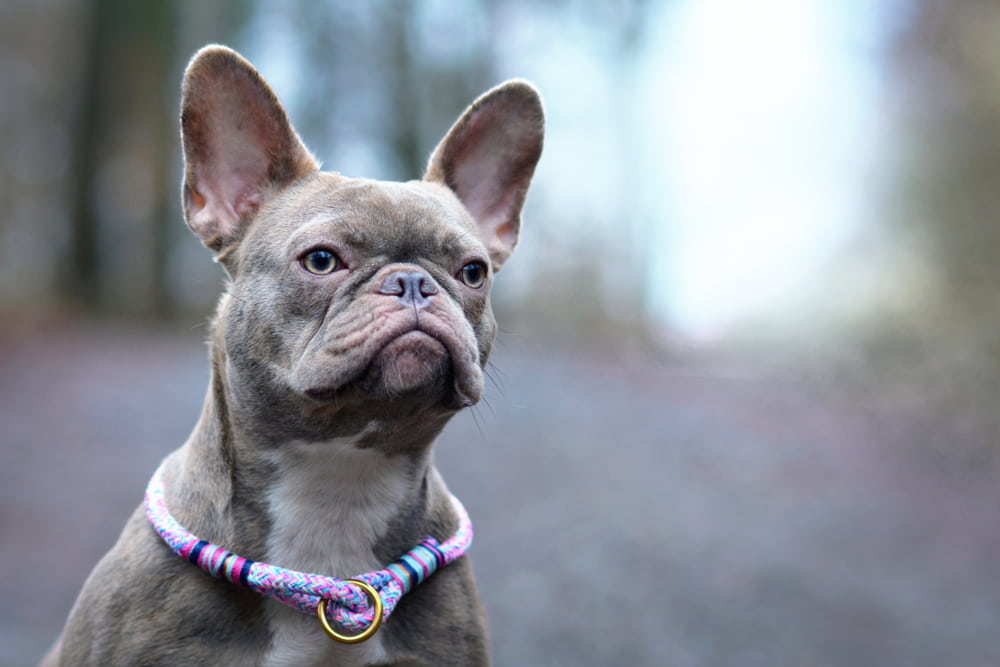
(355, 323)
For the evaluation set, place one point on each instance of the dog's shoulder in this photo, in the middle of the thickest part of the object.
(442, 621)
(142, 600)
(424, 634)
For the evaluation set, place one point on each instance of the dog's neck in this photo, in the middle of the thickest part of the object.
(333, 500)
(331, 505)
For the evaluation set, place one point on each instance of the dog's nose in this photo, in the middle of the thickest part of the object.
(413, 288)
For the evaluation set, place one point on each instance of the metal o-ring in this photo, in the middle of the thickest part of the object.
(367, 633)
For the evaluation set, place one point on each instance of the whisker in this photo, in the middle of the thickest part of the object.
(474, 411)
(495, 375)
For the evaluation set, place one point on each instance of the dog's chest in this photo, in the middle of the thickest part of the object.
(329, 507)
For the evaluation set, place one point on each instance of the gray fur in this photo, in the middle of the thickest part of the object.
(314, 362)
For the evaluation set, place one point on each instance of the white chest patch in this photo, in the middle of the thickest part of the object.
(331, 504)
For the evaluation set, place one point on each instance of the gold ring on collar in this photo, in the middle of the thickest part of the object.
(367, 633)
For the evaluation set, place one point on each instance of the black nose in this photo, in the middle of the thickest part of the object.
(413, 288)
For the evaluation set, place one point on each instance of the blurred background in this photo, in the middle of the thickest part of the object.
(745, 402)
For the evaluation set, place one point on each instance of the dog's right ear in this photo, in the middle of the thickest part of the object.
(239, 147)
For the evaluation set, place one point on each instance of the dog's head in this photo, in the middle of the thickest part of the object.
(350, 301)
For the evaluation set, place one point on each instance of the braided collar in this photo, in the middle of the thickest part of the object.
(358, 605)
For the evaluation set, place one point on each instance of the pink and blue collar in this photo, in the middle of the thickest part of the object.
(349, 603)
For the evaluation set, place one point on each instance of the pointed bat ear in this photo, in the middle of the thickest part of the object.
(239, 148)
(488, 158)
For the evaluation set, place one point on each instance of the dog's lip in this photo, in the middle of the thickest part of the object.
(329, 393)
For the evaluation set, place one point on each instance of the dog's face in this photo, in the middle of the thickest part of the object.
(354, 301)
(354, 305)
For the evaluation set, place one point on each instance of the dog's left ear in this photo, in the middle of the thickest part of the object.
(488, 158)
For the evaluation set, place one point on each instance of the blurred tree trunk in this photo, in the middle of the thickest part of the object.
(160, 55)
(79, 281)
(944, 206)
(402, 74)
(119, 241)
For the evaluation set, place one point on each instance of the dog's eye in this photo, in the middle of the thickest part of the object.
(320, 262)
(473, 274)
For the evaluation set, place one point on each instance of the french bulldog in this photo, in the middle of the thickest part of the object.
(355, 323)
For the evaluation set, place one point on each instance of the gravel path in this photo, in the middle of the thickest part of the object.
(623, 516)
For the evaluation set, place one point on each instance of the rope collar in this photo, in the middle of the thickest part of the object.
(358, 605)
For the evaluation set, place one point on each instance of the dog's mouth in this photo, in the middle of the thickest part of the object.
(416, 363)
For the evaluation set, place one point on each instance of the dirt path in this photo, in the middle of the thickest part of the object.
(623, 517)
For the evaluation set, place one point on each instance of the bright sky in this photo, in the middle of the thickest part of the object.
(766, 123)
(731, 157)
